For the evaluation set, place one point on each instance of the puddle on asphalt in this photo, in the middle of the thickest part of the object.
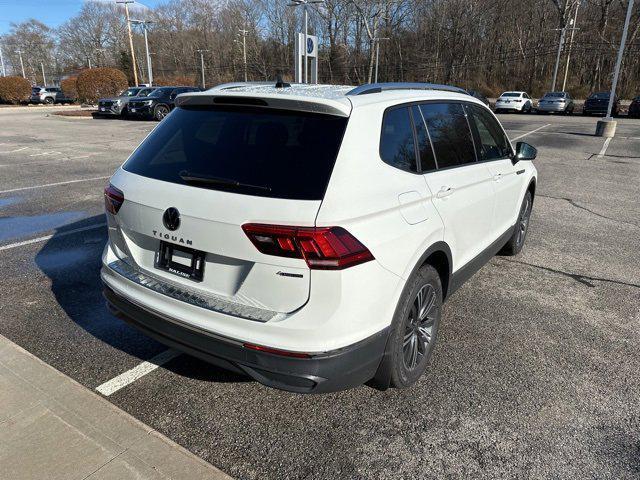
(16, 227)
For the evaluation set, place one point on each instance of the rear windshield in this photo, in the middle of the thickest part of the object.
(554, 95)
(510, 94)
(270, 153)
(600, 95)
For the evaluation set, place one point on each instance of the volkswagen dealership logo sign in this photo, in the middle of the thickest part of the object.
(171, 218)
(310, 45)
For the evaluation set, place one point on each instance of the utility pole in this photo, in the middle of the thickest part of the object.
(243, 33)
(555, 69)
(44, 79)
(573, 31)
(133, 53)
(144, 24)
(377, 42)
(4, 72)
(305, 5)
(201, 52)
(616, 72)
(21, 63)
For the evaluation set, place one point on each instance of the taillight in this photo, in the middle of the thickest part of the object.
(323, 248)
(113, 199)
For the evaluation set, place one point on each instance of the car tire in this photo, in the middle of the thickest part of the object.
(160, 112)
(48, 100)
(415, 327)
(516, 242)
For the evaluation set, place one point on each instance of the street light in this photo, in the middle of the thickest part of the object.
(305, 5)
(607, 126)
(243, 34)
(144, 24)
(133, 53)
(201, 52)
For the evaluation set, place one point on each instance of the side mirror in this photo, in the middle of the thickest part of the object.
(524, 151)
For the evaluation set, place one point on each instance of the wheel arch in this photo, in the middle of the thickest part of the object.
(532, 189)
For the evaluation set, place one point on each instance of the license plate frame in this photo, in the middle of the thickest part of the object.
(166, 257)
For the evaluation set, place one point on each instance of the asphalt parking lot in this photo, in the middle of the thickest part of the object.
(535, 374)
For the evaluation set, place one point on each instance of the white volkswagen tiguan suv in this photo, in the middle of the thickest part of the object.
(308, 235)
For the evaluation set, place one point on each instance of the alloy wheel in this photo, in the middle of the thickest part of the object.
(161, 112)
(419, 327)
(523, 221)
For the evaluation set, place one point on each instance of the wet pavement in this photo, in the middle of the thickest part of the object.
(534, 374)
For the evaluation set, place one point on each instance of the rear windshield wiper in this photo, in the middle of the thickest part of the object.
(203, 179)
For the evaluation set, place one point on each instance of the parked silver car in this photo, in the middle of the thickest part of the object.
(118, 106)
(48, 95)
(559, 102)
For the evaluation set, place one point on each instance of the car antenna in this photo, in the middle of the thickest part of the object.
(280, 83)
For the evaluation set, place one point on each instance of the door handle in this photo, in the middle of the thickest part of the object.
(445, 192)
(497, 177)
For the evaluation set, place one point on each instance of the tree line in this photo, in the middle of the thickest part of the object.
(487, 45)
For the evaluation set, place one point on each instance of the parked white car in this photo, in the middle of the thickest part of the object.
(308, 235)
(514, 102)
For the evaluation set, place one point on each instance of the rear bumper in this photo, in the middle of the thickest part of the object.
(327, 372)
(508, 106)
(552, 108)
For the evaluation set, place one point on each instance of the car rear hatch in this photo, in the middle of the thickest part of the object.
(201, 175)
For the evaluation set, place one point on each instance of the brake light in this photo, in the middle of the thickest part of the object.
(275, 351)
(323, 248)
(113, 199)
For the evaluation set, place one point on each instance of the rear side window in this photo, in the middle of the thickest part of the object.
(493, 142)
(397, 146)
(269, 153)
(450, 134)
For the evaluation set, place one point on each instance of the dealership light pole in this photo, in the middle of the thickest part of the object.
(19, 52)
(305, 5)
(4, 72)
(377, 41)
(133, 53)
(201, 52)
(144, 24)
(44, 79)
(607, 126)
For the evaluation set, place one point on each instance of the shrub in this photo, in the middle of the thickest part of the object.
(70, 87)
(14, 89)
(95, 83)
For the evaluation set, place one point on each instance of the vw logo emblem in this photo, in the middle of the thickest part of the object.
(309, 45)
(171, 218)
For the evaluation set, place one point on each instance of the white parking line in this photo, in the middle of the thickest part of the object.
(54, 184)
(48, 237)
(44, 153)
(529, 133)
(14, 151)
(604, 147)
(135, 373)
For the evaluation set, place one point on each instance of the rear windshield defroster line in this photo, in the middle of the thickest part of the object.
(291, 152)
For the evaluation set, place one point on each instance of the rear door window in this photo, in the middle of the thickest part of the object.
(269, 153)
(397, 145)
(492, 141)
(450, 134)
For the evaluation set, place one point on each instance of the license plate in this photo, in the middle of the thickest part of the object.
(133, 110)
(182, 261)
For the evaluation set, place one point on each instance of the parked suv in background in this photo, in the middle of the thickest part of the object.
(599, 102)
(634, 108)
(308, 235)
(558, 102)
(48, 95)
(514, 101)
(159, 103)
(117, 106)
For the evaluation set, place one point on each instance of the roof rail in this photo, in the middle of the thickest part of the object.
(232, 85)
(379, 87)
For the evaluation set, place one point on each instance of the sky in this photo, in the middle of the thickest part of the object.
(50, 12)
